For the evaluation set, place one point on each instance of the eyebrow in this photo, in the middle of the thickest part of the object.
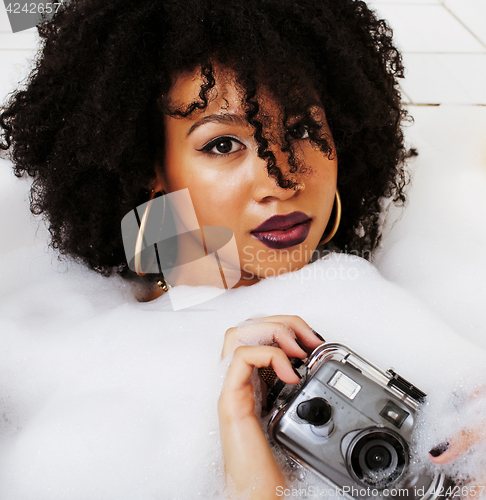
(227, 118)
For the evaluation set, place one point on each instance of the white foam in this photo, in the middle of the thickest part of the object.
(104, 397)
(436, 249)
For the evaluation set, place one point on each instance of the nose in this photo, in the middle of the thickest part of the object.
(265, 187)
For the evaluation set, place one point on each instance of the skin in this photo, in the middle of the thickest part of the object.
(249, 463)
(229, 186)
(233, 189)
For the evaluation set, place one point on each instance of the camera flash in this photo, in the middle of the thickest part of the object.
(345, 385)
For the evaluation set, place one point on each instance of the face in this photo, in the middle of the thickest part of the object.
(213, 154)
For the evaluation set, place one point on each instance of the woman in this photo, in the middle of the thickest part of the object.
(277, 116)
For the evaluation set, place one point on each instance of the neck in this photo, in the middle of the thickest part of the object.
(157, 291)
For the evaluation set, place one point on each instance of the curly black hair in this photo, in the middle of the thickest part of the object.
(88, 127)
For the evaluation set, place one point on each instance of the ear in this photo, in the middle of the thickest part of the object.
(160, 182)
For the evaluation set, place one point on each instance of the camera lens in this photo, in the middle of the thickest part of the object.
(377, 457)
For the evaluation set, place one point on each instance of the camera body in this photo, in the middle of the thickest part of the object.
(352, 423)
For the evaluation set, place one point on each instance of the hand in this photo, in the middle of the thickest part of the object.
(272, 330)
(456, 447)
(249, 462)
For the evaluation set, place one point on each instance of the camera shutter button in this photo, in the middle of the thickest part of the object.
(316, 411)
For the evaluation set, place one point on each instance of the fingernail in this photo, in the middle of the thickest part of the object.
(318, 336)
(297, 362)
(438, 450)
(301, 346)
(296, 372)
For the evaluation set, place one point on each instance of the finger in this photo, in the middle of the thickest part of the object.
(306, 335)
(252, 332)
(263, 333)
(246, 358)
(445, 452)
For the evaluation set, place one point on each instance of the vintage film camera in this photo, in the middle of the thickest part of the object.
(351, 423)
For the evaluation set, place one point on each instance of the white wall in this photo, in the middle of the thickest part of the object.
(16, 53)
(443, 42)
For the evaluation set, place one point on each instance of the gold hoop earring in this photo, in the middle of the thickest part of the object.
(327, 237)
(141, 231)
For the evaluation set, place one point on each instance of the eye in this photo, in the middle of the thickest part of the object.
(222, 146)
(298, 131)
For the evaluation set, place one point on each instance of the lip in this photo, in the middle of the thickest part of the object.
(283, 231)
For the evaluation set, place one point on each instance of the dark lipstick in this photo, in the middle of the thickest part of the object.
(283, 231)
